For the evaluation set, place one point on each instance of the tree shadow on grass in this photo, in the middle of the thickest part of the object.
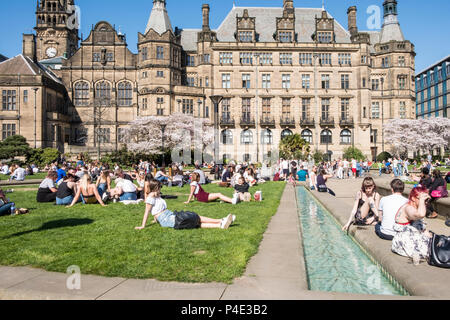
(54, 225)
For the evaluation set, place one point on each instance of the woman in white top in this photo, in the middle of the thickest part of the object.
(313, 178)
(168, 219)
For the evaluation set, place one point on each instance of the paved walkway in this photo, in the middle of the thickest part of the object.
(277, 272)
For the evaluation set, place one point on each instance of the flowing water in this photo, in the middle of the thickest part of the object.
(334, 262)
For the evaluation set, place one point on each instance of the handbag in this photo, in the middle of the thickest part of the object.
(186, 220)
(439, 252)
(443, 190)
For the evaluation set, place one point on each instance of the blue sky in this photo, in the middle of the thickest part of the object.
(424, 23)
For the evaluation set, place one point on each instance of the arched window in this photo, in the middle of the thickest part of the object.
(346, 137)
(103, 93)
(326, 137)
(81, 94)
(125, 94)
(227, 137)
(286, 133)
(307, 135)
(266, 137)
(247, 137)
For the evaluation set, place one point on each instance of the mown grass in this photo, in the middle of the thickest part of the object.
(37, 176)
(103, 241)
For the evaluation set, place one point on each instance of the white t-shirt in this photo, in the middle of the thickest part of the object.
(159, 205)
(126, 185)
(5, 169)
(197, 187)
(47, 184)
(19, 174)
(285, 165)
(353, 164)
(390, 206)
(345, 164)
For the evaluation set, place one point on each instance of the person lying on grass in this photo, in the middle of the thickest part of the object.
(157, 206)
(202, 196)
(89, 192)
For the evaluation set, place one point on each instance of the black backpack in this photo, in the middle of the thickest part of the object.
(186, 220)
(439, 251)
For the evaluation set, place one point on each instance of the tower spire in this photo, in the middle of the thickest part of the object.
(391, 30)
(159, 18)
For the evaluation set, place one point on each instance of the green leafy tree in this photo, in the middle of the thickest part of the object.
(354, 153)
(14, 146)
(294, 147)
(319, 156)
(384, 156)
(42, 157)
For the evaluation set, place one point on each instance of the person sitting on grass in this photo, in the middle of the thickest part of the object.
(18, 174)
(104, 183)
(202, 196)
(5, 205)
(125, 190)
(177, 179)
(157, 207)
(47, 189)
(411, 237)
(162, 177)
(88, 191)
(140, 179)
(365, 208)
(66, 190)
(241, 191)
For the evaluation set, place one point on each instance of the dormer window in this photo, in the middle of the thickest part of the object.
(324, 37)
(245, 36)
(285, 36)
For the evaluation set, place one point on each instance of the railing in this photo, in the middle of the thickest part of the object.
(287, 122)
(346, 122)
(328, 121)
(227, 121)
(247, 121)
(267, 121)
(307, 121)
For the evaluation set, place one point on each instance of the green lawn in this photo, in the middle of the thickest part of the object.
(37, 176)
(102, 241)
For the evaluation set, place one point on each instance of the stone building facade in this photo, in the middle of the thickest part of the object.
(278, 71)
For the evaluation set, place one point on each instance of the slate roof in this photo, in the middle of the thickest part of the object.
(266, 24)
(391, 30)
(159, 19)
(21, 64)
(189, 39)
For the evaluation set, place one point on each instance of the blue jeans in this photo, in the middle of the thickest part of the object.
(167, 219)
(101, 189)
(64, 202)
(5, 210)
(381, 234)
(128, 196)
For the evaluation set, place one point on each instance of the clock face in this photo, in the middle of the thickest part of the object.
(51, 52)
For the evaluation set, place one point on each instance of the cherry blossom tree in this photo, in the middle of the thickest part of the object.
(417, 135)
(145, 134)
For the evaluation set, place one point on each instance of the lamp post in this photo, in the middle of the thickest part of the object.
(35, 117)
(257, 55)
(163, 129)
(382, 111)
(216, 101)
(200, 107)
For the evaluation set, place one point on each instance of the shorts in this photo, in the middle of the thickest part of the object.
(64, 202)
(130, 196)
(354, 170)
(167, 219)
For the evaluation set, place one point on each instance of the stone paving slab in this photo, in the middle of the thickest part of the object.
(422, 280)
(53, 286)
(156, 290)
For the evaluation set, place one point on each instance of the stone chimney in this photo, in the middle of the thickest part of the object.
(205, 13)
(352, 22)
(29, 46)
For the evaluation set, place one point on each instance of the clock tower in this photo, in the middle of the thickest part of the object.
(57, 23)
